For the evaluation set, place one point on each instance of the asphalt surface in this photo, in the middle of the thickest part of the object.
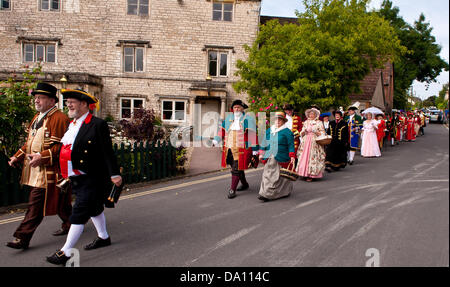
(394, 208)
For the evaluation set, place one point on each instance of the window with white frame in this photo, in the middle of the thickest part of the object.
(5, 4)
(137, 7)
(217, 64)
(222, 11)
(173, 110)
(128, 106)
(133, 59)
(35, 52)
(49, 5)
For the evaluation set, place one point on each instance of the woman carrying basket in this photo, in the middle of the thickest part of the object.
(311, 155)
(277, 151)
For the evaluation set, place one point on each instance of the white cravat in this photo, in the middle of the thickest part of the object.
(69, 139)
(236, 126)
(74, 128)
(289, 122)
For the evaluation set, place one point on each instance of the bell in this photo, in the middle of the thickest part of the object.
(63, 184)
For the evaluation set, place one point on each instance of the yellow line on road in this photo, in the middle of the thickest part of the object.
(11, 220)
(143, 193)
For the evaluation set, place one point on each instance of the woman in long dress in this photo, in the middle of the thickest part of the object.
(369, 143)
(277, 151)
(311, 155)
(410, 132)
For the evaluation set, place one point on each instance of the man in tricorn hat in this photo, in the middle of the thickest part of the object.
(238, 135)
(40, 172)
(88, 160)
(355, 124)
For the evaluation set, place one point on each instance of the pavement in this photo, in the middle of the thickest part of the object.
(205, 159)
(388, 211)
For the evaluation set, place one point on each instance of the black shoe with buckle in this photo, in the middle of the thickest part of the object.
(243, 187)
(60, 232)
(231, 194)
(97, 243)
(58, 258)
(18, 244)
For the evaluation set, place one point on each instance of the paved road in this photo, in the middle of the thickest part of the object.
(397, 204)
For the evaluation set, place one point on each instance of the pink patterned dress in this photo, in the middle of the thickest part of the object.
(311, 155)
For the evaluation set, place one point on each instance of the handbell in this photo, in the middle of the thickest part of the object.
(63, 184)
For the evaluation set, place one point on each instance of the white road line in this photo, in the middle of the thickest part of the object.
(300, 206)
(227, 240)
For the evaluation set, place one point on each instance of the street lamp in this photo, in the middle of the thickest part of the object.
(208, 81)
(63, 81)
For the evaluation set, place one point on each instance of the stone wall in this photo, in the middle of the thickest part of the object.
(90, 33)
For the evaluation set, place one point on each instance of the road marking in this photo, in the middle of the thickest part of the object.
(300, 206)
(11, 220)
(143, 193)
(227, 240)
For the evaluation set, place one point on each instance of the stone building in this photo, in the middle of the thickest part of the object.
(164, 55)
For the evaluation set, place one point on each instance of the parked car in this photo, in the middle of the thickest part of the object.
(436, 116)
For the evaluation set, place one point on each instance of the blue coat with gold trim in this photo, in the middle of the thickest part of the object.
(246, 139)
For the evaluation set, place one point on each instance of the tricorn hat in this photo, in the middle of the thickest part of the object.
(81, 96)
(46, 89)
(288, 107)
(353, 108)
(337, 112)
(240, 103)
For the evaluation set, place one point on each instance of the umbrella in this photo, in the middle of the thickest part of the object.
(373, 110)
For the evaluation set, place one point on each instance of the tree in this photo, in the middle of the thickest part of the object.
(430, 102)
(16, 108)
(143, 126)
(320, 61)
(422, 63)
(441, 102)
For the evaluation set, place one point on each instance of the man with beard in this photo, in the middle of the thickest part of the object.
(40, 172)
(337, 150)
(88, 160)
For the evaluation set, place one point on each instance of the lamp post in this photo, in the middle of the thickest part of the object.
(63, 81)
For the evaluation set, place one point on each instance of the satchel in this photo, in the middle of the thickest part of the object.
(289, 172)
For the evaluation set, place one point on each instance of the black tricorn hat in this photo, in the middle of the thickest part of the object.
(240, 103)
(46, 89)
(79, 95)
(337, 112)
(288, 107)
(353, 108)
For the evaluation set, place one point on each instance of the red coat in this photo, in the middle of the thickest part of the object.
(297, 126)
(380, 130)
(410, 132)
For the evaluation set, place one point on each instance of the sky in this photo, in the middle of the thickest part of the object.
(436, 13)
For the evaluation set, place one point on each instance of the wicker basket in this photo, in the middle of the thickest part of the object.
(289, 172)
(324, 140)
